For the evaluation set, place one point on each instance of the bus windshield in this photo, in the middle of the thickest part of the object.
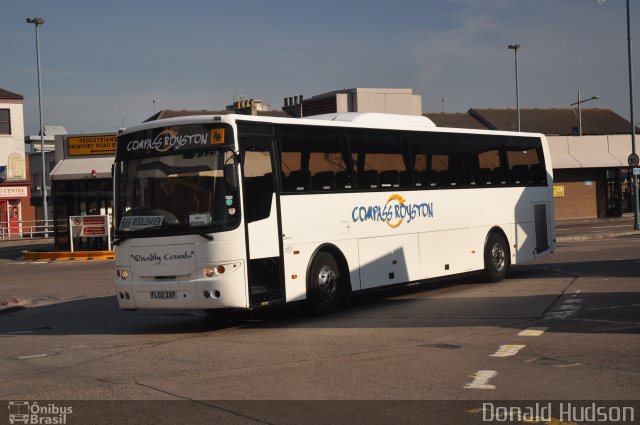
(190, 192)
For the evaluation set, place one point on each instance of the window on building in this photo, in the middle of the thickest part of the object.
(5, 121)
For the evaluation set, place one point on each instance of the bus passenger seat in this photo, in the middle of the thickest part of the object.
(389, 178)
(368, 179)
(483, 176)
(498, 176)
(298, 181)
(427, 178)
(323, 180)
(405, 178)
(520, 174)
(447, 178)
(538, 174)
(343, 180)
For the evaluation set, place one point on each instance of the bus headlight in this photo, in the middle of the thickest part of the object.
(208, 271)
(122, 274)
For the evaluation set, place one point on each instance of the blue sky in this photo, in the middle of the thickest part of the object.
(104, 59)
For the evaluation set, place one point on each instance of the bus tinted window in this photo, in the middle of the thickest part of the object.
(258, 184)
(437, 160)
(525, 160)
(483, 166)
(312, 158)
(379, 159)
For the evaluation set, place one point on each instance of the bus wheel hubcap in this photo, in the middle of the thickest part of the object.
(327, 283)
(497, 257)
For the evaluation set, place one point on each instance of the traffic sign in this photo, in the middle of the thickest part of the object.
(633, 160)
(636, 171)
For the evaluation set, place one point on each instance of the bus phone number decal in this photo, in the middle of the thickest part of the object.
(140, 222)
(394, 212)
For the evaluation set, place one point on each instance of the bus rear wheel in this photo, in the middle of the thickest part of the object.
(324, 283)
(496, 258)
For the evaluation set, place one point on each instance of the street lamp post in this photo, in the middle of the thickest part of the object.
(37, 22)
(580, 110)
(515, 48)
(154, 104)
(443, 100)
(636, 200)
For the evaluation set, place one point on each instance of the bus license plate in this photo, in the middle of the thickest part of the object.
(164, 295)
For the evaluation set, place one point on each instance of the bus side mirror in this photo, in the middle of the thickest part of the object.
(231, 176)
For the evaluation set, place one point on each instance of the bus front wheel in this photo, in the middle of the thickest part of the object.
(324, 283)
(496, 258)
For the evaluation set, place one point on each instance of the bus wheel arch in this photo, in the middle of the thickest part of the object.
(497, 255)
(327, 279)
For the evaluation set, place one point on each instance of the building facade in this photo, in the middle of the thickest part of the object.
(15, 211)
(82, 186)
(385, 100)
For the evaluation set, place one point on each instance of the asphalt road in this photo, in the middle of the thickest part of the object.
(457, 343)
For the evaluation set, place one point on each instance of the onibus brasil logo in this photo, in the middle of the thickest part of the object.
(26, 412)
(394, 212)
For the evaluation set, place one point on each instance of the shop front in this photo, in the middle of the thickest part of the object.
(12, 195)
(82, 186)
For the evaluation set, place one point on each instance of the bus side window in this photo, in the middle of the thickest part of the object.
(481, 159)
(381, 159)
(437, 160)
(525, 161)
(313, 159)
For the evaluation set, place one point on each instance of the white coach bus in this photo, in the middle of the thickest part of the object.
(233, 211)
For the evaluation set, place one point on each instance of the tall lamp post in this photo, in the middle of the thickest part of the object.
(37, 22)
(580, 110)
(515, 48)
(636, 200)
(154, 104)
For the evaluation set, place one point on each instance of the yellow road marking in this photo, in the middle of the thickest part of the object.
(508, 350)
(533, 331)
(481, 380)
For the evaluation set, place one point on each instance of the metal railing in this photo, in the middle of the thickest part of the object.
(26, 229)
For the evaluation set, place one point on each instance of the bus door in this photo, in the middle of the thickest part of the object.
(261, 214)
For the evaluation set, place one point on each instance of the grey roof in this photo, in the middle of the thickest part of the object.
(6, 94)
(554, 121)
(455, 120)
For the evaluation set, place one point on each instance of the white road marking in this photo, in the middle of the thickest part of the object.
(533, 331)
(508, 350)
(33, 356)
(481, 380)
